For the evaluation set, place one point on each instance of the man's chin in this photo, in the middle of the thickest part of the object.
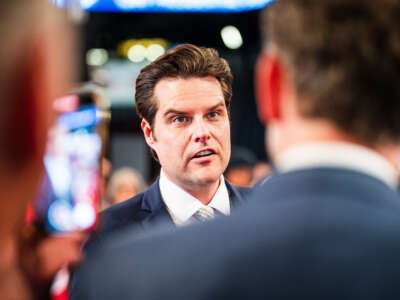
(207, 177)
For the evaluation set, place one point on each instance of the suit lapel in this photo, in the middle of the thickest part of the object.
(155, 211)
(154, 207)
(236, 194)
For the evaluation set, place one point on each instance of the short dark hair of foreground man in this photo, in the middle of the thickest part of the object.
(328, 224)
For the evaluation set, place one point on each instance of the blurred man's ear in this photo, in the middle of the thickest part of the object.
(148, 133)
(268, 87)
(44, 71)
(29, 114)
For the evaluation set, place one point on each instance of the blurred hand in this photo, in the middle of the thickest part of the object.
(55, 252)
(41, 259)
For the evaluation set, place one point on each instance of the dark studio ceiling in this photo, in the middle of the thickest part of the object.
(106, 30)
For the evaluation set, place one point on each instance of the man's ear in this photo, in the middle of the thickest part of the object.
(269, 81)
(29, 116)
(148, 132)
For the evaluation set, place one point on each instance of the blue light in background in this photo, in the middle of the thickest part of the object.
(167, 5)
(80, 119)
(60, 3)
(86, 4)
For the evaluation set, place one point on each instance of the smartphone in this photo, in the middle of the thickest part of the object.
(69, 194)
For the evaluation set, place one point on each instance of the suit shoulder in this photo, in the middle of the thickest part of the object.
(120, 214)
(120, 208)
(242, 190)
(238, 194)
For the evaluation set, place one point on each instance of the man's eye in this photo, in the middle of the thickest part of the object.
(180, 119)
(213, 114)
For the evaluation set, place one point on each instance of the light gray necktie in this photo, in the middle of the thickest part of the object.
(203, 214)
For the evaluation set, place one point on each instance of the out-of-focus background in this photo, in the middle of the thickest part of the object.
(119, 37)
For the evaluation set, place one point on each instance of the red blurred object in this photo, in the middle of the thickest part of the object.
(260, 86)
(30, 214)
(59, 288)
(66, 104)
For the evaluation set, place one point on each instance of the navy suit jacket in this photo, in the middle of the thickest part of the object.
(145, 211)
(148, 209)
(311, 234)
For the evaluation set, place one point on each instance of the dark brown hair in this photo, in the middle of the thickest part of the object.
(344, 59)
(184, 61)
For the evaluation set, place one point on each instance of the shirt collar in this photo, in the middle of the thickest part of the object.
(340, 155)
(181, 205)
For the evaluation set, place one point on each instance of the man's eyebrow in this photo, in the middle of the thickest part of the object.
(217, 105)
(178, 112)
(173, 111)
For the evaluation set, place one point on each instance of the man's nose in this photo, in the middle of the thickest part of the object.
(201, 131)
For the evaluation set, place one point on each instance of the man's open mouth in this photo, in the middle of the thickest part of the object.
(204, 153)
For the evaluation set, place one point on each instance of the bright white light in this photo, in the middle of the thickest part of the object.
(154, 51)
(230, 4)
(59, 216)
(128, 4)
(231, 37)
(59, 171)
(59, 3)
(84, 215)
(96, 57)
(85, 4)
(60, 282)
(195, 5)
(137, 53)
(168, 5)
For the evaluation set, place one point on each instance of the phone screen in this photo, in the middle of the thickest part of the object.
(70, 190)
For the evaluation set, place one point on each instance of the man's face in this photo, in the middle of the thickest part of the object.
(191, 131)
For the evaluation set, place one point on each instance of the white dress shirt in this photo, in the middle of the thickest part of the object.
(340, 155)
(181, 205)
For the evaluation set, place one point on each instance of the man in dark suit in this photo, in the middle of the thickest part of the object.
(327, 226)
(147, 210)
(183, 98)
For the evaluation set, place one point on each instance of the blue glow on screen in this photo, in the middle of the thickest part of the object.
(167, 5)
(85, 4)
(81, 119)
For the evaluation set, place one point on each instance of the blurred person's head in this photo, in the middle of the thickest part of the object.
(329, 71)
(261, 170)
(124, 184)
(240, 167)
(35, 68)
(183, 98)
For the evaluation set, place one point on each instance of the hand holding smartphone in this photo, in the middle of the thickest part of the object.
(70, 190)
